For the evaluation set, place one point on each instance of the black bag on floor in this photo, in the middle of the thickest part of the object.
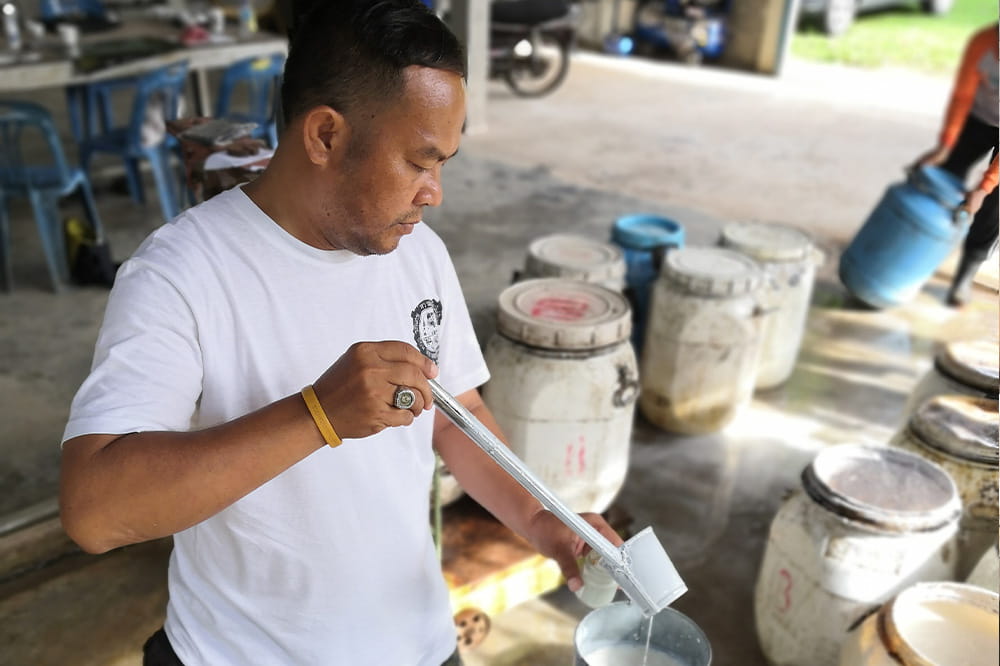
(89, 257)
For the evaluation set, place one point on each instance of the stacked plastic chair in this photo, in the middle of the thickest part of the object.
(43, 177)
(156, 100)
(262, 79)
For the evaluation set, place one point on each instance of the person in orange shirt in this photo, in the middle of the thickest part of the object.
(968, 135)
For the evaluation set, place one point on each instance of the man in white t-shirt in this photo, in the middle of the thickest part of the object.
(300, 515)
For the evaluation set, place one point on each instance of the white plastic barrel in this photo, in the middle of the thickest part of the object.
(966, 367)
(577, 258)
(928, 624)
(959, 433)
(563, 387)
(867, 522)
(787, 258)
(699, 358)
(986, 573)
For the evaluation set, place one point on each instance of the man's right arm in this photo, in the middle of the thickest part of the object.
(122, 489)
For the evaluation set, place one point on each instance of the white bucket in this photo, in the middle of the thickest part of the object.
(867, 522)
(563, 386)
(929, 624)
(967, 367)
(786, 256)
(959, 433)
(615, 635)
(699, 360)
(576, 258)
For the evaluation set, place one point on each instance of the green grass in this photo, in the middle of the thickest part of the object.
(900, 37)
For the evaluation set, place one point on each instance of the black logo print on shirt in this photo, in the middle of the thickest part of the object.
(426, 326)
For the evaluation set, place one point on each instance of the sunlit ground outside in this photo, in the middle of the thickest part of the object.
(904, 36)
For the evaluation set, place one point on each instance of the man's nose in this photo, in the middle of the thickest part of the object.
(430, 193)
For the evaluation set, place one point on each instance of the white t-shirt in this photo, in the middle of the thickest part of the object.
(332, 562)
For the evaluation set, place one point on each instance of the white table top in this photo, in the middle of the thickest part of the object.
(55, 69)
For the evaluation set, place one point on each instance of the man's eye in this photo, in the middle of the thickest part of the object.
(418, 167)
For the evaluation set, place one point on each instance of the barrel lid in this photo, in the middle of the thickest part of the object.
(647, 232)
(882, 486)
(959, 426)
(767, 242)
(912, 623)
(712, 271)
(974, 363)
(557, 313)
(578, 257)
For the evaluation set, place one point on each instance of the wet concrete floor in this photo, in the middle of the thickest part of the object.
(612, 141)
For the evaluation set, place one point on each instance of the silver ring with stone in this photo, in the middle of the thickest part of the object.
(403, 398)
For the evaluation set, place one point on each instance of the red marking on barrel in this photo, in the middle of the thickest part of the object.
(582, 455)
(559, 309)
(788, 589)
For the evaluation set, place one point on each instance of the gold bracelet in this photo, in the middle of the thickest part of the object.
(319, 417)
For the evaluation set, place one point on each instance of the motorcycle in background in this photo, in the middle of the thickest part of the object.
(691, 29)
(530, 43)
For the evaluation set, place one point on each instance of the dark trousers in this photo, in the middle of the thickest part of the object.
(976, 140)
(158, 652)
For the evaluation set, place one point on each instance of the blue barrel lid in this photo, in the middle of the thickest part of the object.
(647, 232)
(944, 186)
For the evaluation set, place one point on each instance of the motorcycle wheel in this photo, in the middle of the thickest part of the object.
(542, 72)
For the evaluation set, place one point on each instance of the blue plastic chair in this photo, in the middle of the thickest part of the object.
(24, 127)
(57, 9)
(165, 85)
(261, 76)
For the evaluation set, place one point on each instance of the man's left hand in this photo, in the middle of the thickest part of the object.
(553, 539)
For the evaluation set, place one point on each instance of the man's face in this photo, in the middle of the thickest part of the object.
(393, 168)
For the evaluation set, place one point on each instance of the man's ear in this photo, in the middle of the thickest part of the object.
(324, 132)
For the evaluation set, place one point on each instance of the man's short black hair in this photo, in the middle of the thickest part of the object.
(350, 54)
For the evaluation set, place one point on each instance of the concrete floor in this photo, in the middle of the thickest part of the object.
(813, 149)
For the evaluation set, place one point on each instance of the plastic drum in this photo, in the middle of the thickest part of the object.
(986, 573)
(867, 523)
(905, 239)
(645, 240)
(699, 360)
(959, 433)
(576, 258)
(786, 255)
(930, 624)
(966, 367)
(563, 387)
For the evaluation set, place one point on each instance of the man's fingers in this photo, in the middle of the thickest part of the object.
(601, 525)
(397, 417)
(394, 351)
(570, 570)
